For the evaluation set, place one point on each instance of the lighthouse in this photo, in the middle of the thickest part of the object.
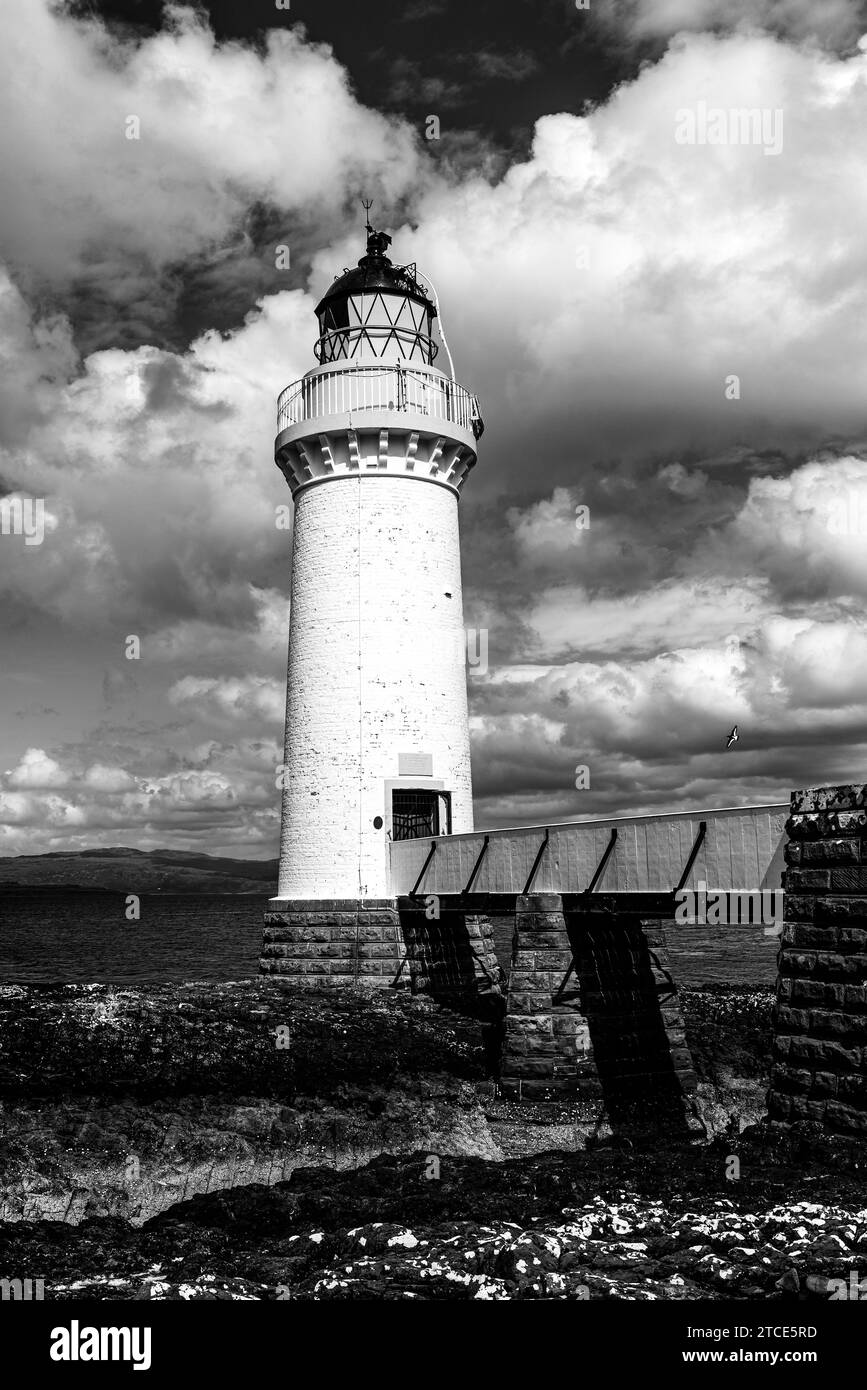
(376, 442)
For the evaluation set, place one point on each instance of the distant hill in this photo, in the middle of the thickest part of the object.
(125, 870)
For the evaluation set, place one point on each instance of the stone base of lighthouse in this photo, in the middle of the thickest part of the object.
(334, 941)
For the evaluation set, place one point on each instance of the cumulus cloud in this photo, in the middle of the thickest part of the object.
(598, 296)
(217, 799)
(157, 474)
(611, 284)
(220, 127)
(37, 771)
(247, 697)
(108, 779)
(761, 623)
(807, 532)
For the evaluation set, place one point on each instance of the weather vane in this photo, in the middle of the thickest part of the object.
(367, 204)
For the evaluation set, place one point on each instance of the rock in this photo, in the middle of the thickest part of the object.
(127, 1102)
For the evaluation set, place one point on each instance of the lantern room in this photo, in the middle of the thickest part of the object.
(377, 312)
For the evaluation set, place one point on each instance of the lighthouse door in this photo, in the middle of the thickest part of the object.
(416, 814)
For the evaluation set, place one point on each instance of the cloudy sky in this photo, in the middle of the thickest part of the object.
(671, 334)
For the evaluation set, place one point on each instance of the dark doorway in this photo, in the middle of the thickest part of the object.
(417, 814)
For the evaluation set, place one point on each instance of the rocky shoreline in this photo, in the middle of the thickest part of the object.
(252, 1140)
(122, 1102)
(665, 1225)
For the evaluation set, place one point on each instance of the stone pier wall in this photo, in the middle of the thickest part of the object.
(633, 1014)
(452, 958)
(335, 941)
(820, 1045)
(610, 1031)
(548, 1052)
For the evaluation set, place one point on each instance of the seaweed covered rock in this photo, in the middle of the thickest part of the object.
(261, 1037)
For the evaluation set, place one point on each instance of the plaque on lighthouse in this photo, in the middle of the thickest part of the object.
(415, 764)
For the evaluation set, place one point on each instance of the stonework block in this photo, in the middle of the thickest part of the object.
(853, 939)
(569, 1024)
(841, 798)
(826, 824)
(803, 992)
(794, 962)
(803, 934)
(849, 880)
(828, 1023)
(790, 1020)
(820, 1054)
(530, 1025)
(326, 941)
(852, 1090)
(799, 908)
(831, 966)
(533, 981)
(828, 852)
(523, 1003)
(807, 880)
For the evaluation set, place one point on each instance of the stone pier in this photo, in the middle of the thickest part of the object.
(586, 1012)
(587, 1009)
(820, 1046)
(452, 958)
(334, 941)
(592, 1012)
(548, 1051)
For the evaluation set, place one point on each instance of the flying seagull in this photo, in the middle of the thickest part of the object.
(732, 738)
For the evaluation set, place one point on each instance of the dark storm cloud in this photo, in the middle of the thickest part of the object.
(648, 24)
(423, 9)
(118, 685)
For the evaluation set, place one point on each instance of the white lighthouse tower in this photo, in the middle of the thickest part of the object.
(375, 442)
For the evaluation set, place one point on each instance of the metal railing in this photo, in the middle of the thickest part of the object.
(357, 389)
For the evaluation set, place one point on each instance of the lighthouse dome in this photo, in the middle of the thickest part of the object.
(377, 311)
